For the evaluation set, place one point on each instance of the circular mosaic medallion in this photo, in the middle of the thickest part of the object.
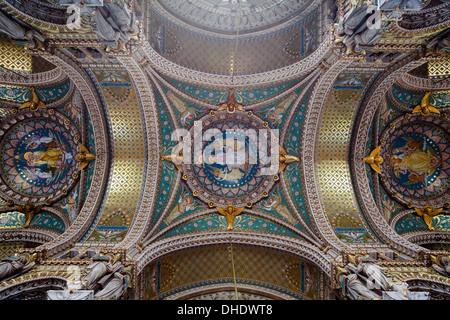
(416, 164)
(230, 163)
(37, 156)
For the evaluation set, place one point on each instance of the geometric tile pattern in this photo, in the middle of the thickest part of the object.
(219, 55)
(13, 57)
(213, 264)
(7, 249)
(439, 69)
(339, 199)
(129, 161)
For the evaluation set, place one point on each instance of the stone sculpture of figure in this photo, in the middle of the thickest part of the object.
(441, 264)
(116, 287)
(402, 4)
(355, 27)
(104, 29)
(121, 16)
(360, 291)
(354, 286)
(374, 274)
(400, 291)
(18, 31)
(439, 43)
(99, 268)
(16, 265)
(115, 21)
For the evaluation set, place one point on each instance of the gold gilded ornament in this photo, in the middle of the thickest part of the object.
(231, 106)
(427, 213)
(230, 213)
(29, 210)
(425, 108)
(176, 157)
(374, 159)
(34, 103)
(84, 157)
(284, 159)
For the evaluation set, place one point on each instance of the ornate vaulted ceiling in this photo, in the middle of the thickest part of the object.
(94, 116)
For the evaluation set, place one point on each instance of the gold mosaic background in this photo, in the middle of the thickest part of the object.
(8, 249)
(439, 69)
(128, 164)
(13, 57)
(213, 265)
(339, 199)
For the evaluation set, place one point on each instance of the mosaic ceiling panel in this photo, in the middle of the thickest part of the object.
(219, 55)
(215, 185)
(339, 199)
(39, 163)
(223, 15)
(129, 158)
(212, 265)
(415, 159)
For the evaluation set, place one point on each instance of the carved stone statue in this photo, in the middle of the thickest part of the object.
(117, 286)
(104, 29)
(99, 268)
(399, 291)
(374, 274)
(441, 264)
(357, 27)
(121, 16)
(115, 21)
(402, 4)
(353, 287)
(13, 266)
(440, 43)
(18, 31)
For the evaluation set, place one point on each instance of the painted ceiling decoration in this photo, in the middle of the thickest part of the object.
(224, 149)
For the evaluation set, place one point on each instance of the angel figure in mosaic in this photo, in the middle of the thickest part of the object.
(45, 140)
(276, 113)
(70, 206)
(275, 203)
(187, 113)
(185, 203)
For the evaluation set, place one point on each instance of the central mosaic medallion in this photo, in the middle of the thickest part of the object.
(416, 162)
(38, 156)
(231, 164)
